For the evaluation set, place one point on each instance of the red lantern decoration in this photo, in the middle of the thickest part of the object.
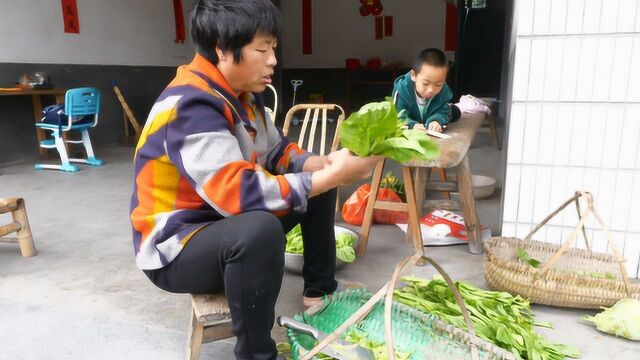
(371, 7)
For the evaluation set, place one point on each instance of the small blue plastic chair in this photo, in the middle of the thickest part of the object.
(79, 103)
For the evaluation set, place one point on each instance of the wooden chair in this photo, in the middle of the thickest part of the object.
(272, 112)
(210, 321)
(310, 139)
(20, 225)
(453, 154)
(312, 132)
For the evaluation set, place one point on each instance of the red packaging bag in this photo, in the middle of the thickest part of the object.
(354, 208)
(389, 216)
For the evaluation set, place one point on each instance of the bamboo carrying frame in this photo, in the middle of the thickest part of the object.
(556, 282)
(127, 114)
(386, 293)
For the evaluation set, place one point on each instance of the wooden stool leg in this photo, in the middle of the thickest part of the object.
(368, 213)
(494, 132)
(468, 202)
(25, 239)
(414, 222)
(442, 173)
(196, 334)
(421, 178)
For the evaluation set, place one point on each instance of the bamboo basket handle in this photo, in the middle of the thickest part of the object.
(388, 302)
(616, 253)
(580, 226)
(567, 243)
(355, 317)
(584, 231)
(575, 198)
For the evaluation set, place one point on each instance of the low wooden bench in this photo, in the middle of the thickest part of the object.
(210, 321)
(20, 225)
(453, 154)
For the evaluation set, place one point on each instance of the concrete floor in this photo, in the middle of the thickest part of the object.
(82, 297)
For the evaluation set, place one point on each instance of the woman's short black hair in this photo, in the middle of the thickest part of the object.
(432, 56)
(231, 24)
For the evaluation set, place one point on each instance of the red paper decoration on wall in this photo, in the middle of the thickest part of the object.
(388, 26)
(451, 28)
(179, 20)
(70, 17)
(379, 30)
(306, 27)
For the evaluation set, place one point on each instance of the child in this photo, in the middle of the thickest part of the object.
(217, 185)
(424, 95)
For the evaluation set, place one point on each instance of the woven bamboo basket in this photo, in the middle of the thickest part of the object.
(566, 277)
(398, 326)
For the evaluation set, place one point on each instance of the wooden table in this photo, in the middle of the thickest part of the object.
(453, 154)
(37, 105)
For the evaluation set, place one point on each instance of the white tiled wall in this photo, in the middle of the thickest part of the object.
(575, 120)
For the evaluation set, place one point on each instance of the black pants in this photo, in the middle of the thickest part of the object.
(243, 256)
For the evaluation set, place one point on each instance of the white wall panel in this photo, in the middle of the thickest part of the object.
(603, 69)
(586, 68)
(633, 92)
(621, 61)
(609, 16)
(575, 15)
(626, 15)
(541, 13)
(525, 20)
(569, 64)
(592, 11)
(579, 127)
(630, 138)
(557, 22)
(521, 69)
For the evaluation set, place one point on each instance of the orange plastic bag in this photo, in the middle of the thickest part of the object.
(389, 216)
(355, 206)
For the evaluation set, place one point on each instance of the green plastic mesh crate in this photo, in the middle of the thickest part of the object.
(421, 335)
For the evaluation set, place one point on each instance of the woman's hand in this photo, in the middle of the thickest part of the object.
(342, 168)
(348, 168)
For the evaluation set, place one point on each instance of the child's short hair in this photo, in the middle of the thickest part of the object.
(432, 56)
(231, 24)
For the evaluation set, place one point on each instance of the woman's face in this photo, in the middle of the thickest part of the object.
(256, 66)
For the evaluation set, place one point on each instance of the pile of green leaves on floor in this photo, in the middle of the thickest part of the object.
(498, 317)
(391, 181)
(344, 244)
(622, 319)
(376, 130)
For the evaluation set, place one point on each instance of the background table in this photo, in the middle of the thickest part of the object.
(36, 101)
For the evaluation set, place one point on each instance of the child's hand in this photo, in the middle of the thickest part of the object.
(419, 127)
(435, 126)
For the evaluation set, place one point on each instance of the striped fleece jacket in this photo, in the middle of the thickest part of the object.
(205, 155)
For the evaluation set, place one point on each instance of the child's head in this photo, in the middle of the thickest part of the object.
(239, 37)
(429, 72)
